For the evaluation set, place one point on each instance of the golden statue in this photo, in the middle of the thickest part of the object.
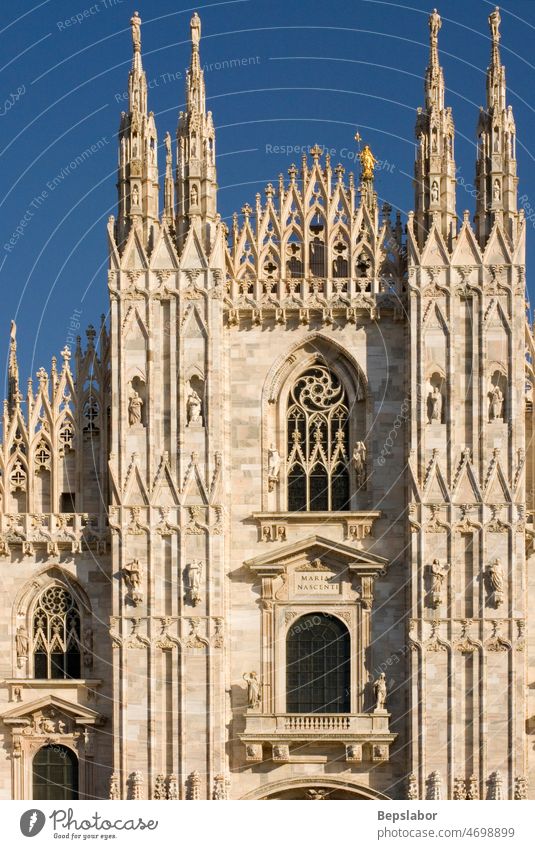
(368, 162)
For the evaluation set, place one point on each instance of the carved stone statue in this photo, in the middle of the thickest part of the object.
(133, 575)
(435, 405)
(496, 581)
(194, 581)
(253, 689)
(193, 407)
(193, 196)
(168, 152)
(494, 22)
(135, 196)
(134, 409)
(195, 29)
(435, 23)
(135, 23)
(438, 574)
(22, 644)
(379, 692)
(496, 404)
(274, 465)
(359, 463)
(434, 192)
(496, 191)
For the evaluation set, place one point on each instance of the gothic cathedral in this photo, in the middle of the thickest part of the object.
(267, 534)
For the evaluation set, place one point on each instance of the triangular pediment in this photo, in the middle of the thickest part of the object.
(313, 548)
(466, 489)
(23, 711)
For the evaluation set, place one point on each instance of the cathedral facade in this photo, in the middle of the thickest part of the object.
(268, 535)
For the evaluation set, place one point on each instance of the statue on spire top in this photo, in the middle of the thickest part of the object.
(494, 22)
(435, 23)
(195, 27)
(135, 23)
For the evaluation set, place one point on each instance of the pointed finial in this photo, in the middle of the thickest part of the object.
(135, 23)
(13, 331)
(316, 152)
(195, 30)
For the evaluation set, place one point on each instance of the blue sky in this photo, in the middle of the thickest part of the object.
(308, 72)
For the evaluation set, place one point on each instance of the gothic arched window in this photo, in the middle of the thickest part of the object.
(318, 665)
(56, 635)
(55, 773)
(318, 439)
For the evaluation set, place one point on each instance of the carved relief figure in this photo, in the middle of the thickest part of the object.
(134, 409)
(133, 575)
(359, 463)
(193, 407)
(435, 405)
(379, 692)
(496, 404)
(194, 581)
(438, 574)
(253, 689)
(22, 645)
(495, 581)
(274, 465)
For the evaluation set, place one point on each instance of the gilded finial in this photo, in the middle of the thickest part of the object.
(135, 23)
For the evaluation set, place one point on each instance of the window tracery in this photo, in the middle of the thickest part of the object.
(317, 442)
(56, 635)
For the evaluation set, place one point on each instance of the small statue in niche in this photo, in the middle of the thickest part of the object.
(22, 644)
(253, 689)
(495, 582)
(438, 574)
(434, 192)
(193, 407)
(88, 647)
(496, 191)
(194, 196)
(379, 692)
(359, 463)
(496, 404)
(274, 465)
(133, 575)
(435, 405)
(135, 195)
(194, 581)
(134, 409)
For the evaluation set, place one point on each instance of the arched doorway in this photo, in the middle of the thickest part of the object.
(55, 773)
(318, 665)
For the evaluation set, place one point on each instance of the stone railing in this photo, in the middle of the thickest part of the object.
(366, 736)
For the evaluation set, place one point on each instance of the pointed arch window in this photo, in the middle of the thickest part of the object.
(317, 442)
(56, 635)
